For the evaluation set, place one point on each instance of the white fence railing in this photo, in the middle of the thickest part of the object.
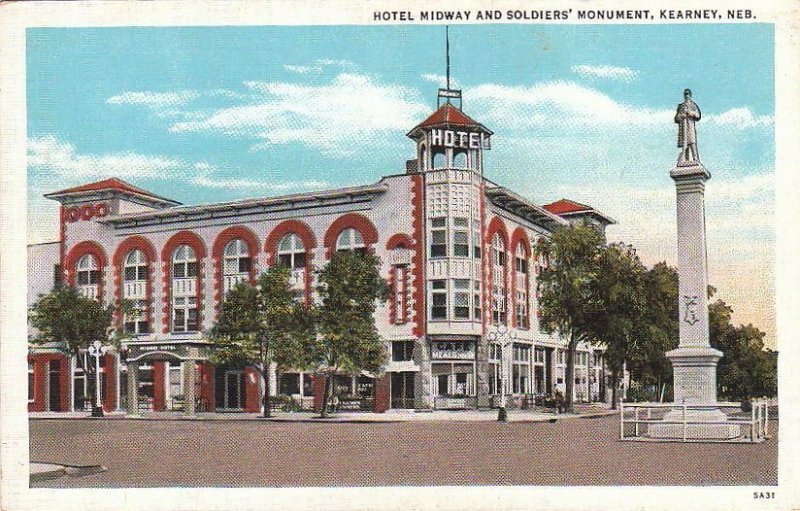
(754, 425)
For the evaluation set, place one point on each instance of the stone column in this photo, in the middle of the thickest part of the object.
(482, 370)
(188, 386)
(422, 383)
(133, 388)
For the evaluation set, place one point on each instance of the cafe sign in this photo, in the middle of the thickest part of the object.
(453, 350)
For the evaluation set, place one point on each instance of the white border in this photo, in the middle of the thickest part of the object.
(15, 17)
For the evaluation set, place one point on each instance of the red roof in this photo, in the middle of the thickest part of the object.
(448, 114)
(564, 206)
(109, 184)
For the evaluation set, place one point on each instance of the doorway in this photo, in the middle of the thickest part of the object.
(54, 385)
(402, 389)
(229, 389)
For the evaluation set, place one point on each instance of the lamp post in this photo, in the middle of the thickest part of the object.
(503, 337)
(97, 350)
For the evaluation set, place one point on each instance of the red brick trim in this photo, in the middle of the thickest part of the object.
(419, 315)
(305, 234)
(519, 236)
(110, 364)
(80, 250)
(41, 366)
(223, 238)
(399, 240)
(252, 390)
(178, 239)
(124, 248)
(159, 385)
(497, 226)
(382, 397)
(207, 396)
(350, 220)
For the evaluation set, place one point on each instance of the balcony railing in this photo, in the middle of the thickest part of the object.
(184, 287)
(136, 290)
(89, 291)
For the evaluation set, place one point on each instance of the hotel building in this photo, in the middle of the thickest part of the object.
(456, 250)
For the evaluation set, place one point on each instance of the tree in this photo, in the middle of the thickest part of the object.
(620, 293)
(568, 289)
(349, 288)
(261, 325)
(67, 317)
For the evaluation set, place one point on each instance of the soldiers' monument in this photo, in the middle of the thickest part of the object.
(694, 362)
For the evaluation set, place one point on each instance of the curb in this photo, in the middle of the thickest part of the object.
(59, 470)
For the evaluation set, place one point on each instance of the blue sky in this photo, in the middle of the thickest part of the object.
(580, 111)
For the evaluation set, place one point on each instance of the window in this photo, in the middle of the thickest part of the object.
(292, 252)
(521, 305)
(438, 237)
(438, 299)
(289, 384)
(521, 368)
(460, 160)
(399, 291)
(540, 355)
(439, 160)
(184, 263)
(499, 314)
(135, 291)
(350, 239)
(460, 237)
(31, 382)
(461, 298)
(476, 300)
(402, 351)
(88, 276)
(135, 266)
(494, 368)
(237, 258)
(184, 314)
(476, 239)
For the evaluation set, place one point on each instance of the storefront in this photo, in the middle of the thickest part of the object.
(453, 372)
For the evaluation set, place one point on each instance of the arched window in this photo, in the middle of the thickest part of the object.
(460, 160)
(135, 290)
(292, 252)
(350, 239)
(521, 306)
(88, 276)
(499, 314)
(439, 160)
(184, 290)
(423, 158)
(236, 264)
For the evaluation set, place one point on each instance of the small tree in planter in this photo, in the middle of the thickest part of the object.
(262, 325)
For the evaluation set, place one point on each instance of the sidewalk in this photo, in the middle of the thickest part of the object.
(581, 411)
(44, 471)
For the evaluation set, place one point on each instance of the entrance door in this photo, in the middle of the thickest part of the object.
(403, 389)
(234, 390)
(54, 386)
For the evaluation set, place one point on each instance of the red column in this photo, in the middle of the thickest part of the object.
(252, 391)
(382, 398)
(159, 392)
(39, 382)
(207, 386)
(110, 364)
(318, 389)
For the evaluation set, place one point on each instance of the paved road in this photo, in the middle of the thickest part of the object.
(250, 453)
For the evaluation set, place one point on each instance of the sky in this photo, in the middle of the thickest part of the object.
(206, 114)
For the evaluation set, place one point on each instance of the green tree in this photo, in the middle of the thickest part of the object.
(620, 294)
(67, 317)
(262, 325)
(349, 288)
(568, 289)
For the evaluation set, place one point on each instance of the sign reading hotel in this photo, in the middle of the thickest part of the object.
(459, 139)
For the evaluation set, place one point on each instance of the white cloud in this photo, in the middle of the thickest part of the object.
(59, 157)
(318, 66)
(153, 99)
(623, 74)
(741, 118)
(338, 118)
(440, 80)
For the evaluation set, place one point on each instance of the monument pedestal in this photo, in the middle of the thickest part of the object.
(695, 383)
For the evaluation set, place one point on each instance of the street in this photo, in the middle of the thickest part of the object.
(142, 453)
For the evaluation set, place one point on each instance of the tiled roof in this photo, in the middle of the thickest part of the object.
(109, 184)
(448, 114)
(563, 206)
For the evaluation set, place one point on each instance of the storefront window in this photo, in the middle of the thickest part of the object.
(289, 384)
(31, 382)
(402, 351)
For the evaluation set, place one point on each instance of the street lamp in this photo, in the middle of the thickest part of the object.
(503, 337)
(97, 350)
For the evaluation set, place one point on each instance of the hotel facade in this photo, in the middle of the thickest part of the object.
(455, 248)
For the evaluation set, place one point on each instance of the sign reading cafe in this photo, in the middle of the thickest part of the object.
(459, 139)
(453, 350)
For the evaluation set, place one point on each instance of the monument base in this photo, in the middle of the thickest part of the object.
(713, 426)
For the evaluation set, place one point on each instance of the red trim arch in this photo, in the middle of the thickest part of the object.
(124, 248)
(80, 250)
(351, 220)
(519, 236)
(496, 226)
(223, 238)
(178, 239)
(305, 234)
(419, 315)
(398, 240)
(297, 227)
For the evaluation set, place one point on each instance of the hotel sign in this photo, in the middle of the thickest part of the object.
(459, 139)
(453, 350)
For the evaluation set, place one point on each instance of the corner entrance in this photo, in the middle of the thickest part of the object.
(402, 389)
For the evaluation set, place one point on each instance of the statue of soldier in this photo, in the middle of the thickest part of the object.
(688, 113)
